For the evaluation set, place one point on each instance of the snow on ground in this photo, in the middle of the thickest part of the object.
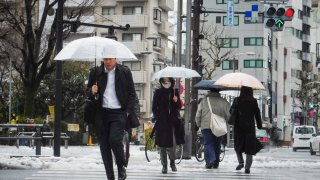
(88, 157)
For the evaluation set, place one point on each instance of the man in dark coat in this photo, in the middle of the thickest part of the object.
(112, 87)
(244, 128)
(165, 107)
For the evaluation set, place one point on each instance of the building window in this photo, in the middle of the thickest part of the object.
(131, 37)
(225, 1)
(300, 14)
(108, 11)
(228, 42)
(132, 10)
(253, 41)
(157, 42)
(235, 21)
(218, 19)
(133, 65)
(228, 64)
(253, 63)
(156, 14)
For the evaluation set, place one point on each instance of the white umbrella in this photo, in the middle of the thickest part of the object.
(175, 72)
(236, 80)
(94, 48)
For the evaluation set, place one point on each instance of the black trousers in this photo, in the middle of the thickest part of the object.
(111, 140)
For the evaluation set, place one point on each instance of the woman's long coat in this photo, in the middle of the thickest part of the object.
(244, 129)
(166, 112)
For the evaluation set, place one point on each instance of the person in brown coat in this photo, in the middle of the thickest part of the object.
(244, 128)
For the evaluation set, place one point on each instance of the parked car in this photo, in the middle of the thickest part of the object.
(301, 136)
(315, 145)
(263, 137)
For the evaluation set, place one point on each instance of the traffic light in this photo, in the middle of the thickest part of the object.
(275, 17)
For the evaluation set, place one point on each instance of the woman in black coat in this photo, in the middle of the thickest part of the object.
(168, 128)
(244, 128)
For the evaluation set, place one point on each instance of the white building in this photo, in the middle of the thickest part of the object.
(293, 57)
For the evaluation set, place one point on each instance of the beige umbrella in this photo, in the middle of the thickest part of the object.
(236, 80)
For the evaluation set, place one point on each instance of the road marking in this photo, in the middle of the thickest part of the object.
(153, 174)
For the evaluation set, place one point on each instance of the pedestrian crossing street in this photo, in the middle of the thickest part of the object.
(141, 174)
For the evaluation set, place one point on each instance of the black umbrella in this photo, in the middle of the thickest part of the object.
(209, 84)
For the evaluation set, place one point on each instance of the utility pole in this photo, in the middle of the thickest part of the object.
(58, 90)
(196, 63)
(270, 39)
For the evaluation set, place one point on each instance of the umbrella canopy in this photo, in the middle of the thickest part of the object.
(176, 72)
(209, 84)
(236, 80)
(94, 48)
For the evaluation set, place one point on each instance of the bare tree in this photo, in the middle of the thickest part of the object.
(30, 44)
(214, 49)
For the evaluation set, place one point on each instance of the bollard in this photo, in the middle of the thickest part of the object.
(38, 141)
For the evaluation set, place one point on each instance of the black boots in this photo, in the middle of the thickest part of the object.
(122, 175)
(164, 169)
(240, 166)
(173, 166)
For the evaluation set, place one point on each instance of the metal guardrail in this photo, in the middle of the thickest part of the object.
(34, 137)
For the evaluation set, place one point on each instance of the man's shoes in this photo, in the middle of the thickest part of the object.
(209, 166)
(173, 166)
(215, 165)
(122, 175)
(247, 171)
(240, 166)
(164, 169)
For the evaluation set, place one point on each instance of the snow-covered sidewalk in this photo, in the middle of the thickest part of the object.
(88, 157)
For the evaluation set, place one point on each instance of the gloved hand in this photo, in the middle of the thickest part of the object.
(196, 128)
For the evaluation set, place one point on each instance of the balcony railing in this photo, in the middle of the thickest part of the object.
(166, 29)
(138, 20)
(139, 76)
(306, 56)
(166, 4)
(136, 47)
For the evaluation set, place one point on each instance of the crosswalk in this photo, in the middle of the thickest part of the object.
(142, 174)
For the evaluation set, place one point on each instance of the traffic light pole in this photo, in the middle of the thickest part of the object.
(270, 77)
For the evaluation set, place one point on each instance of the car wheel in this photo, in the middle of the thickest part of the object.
(311, 150)
(294, 149)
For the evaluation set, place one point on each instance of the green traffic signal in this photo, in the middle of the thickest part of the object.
(279, 23)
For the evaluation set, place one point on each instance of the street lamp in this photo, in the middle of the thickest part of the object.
(239, 54)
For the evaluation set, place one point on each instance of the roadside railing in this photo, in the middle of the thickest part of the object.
(33, 137)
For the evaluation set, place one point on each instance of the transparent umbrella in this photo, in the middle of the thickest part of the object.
(94, 48)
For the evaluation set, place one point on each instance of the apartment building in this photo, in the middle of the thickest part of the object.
(293, 58)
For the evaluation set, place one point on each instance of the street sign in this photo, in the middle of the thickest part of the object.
(230, 13)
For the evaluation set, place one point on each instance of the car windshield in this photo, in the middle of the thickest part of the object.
(261, 133)
(304, 130)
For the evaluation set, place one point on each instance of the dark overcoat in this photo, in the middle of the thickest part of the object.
(245, 139)
(124, 87)
(166, 112)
